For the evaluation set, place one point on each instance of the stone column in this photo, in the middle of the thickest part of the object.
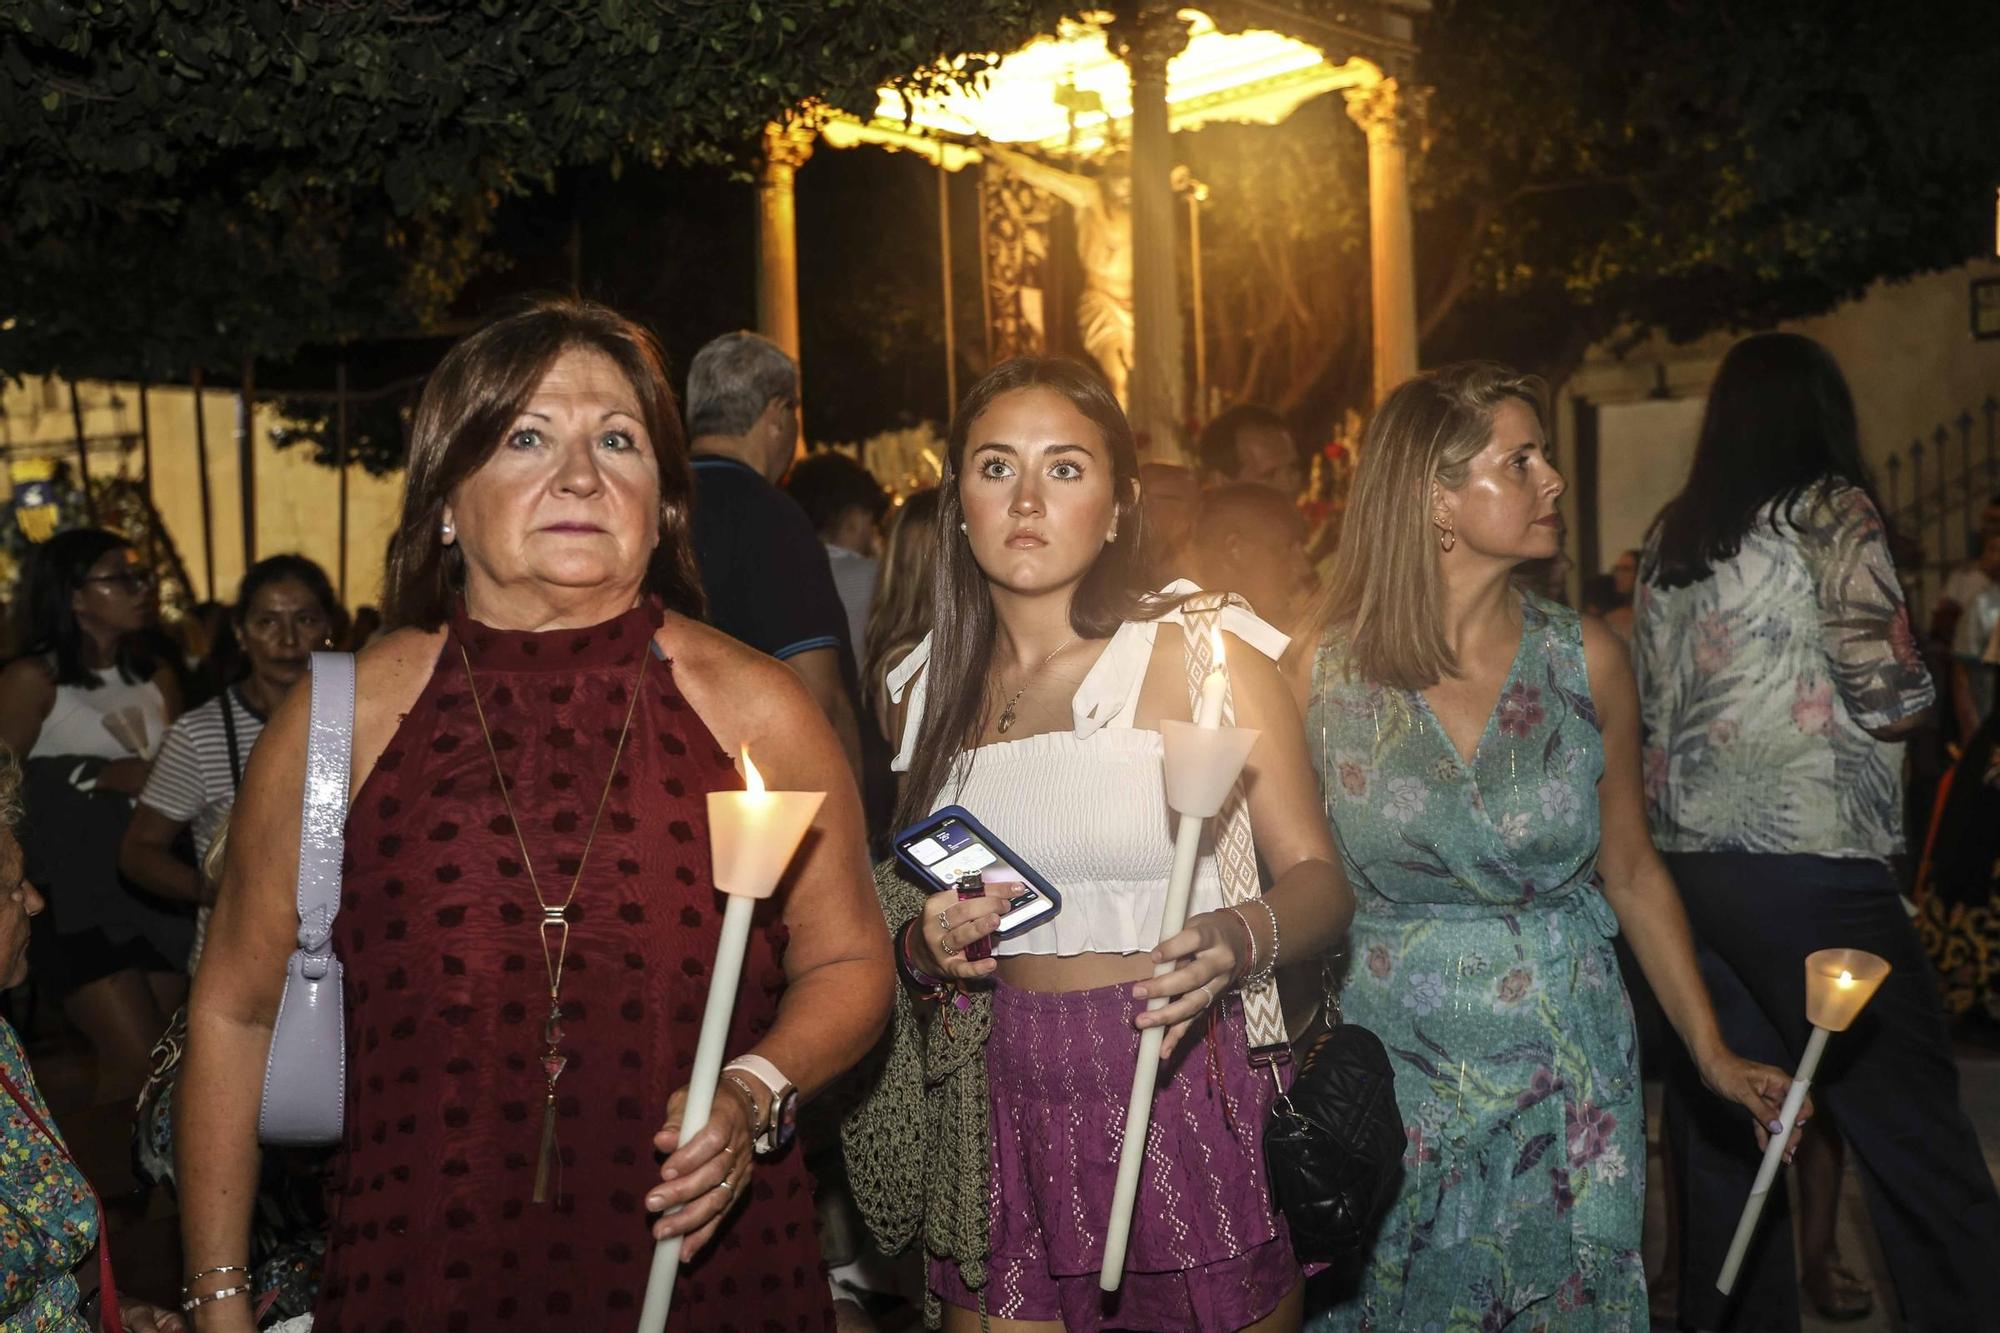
(1147, 37)
(786, 148)
(1379, 108)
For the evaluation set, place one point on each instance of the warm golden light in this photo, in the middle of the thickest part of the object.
(1846, 981)
(1069, 92)
(753, 781)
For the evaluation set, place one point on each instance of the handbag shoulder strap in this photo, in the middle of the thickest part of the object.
(1235, 847)
(229, 734)
(323, 815)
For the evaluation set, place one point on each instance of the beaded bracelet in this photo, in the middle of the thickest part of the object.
(196, 1302)
(1264, 973)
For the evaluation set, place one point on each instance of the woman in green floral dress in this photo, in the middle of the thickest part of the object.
(1479, 750)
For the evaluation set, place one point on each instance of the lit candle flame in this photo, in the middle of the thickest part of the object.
(753, 781)
(1846, 980)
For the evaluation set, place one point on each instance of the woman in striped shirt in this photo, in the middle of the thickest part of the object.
(284, 611)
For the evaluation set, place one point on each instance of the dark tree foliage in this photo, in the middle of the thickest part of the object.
(1697, 164)
(201, 179)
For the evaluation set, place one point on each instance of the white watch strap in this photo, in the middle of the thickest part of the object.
(757, 1067)
(775, 1083)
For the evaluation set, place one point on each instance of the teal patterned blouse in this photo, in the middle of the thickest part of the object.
(48, 1216)
(1758, 683)
(1481, 956)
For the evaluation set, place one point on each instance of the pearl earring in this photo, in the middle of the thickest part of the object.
(963, 528)
(445, 530)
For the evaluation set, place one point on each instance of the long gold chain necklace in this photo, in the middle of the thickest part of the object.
(555, 919)
(1006, 723)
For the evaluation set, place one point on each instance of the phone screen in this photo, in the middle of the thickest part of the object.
(951, 848)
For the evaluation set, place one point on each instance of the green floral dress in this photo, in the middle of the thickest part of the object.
(48, 1216)
(1481, 955)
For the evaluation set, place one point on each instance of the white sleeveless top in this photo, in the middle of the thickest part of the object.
(77, 721)
(1087, 808)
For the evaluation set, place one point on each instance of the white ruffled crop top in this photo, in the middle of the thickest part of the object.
(1087, 808)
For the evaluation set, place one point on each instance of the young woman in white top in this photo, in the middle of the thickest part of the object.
(1035, 703)
(87, 709)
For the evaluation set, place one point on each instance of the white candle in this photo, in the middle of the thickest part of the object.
(752, 835)
(1195, 796)
(1839, 984)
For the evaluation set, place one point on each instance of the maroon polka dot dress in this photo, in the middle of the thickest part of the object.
(432, 1223)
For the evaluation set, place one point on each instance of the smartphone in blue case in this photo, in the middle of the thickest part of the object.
(950, 843)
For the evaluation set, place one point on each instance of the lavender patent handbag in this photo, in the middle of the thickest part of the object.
(305, 1077)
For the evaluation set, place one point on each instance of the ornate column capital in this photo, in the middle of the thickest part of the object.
(788, 144)
(1379, 108)
(1147, 35)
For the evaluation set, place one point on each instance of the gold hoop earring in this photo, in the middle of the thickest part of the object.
(1447, 537)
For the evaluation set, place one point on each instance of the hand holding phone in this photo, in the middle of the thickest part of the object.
(950, 847)
(956, 935)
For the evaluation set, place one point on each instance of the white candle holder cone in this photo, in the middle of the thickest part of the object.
(1202, 765)
(1839, 984)
(750, 855)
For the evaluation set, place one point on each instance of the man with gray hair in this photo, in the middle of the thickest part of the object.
(766, 575)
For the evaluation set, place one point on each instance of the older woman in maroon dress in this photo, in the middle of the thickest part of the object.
(542, 731)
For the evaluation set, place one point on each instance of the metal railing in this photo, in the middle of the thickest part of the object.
(1947, 476)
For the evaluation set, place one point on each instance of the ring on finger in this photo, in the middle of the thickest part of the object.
(724, 1184)
(950, 950)
(943, 925)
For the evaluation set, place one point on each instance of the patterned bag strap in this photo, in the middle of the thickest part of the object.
(1235, 850)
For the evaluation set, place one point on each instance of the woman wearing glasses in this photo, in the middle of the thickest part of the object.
(88, 705)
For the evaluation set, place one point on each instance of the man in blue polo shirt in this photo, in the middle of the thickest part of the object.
(762, 565)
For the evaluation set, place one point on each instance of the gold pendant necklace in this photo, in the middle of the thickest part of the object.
(554, 915)
(1006, 723)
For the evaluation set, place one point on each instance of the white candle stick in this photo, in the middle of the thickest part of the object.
(1202, 764)
(1839, 982)
(752, 835)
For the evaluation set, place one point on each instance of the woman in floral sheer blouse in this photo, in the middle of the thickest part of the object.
(1777, 677)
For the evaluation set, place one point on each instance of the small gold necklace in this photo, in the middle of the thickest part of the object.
(1006, 723)
(554, 915)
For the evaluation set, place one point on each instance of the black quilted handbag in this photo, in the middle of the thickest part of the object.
(1333, 1145)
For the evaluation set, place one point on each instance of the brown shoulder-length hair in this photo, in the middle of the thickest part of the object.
(477, 392)
(1386, 597)
(1113, 591)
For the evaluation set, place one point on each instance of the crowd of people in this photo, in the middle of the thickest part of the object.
(599, 598)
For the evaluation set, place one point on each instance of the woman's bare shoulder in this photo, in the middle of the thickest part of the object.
(735, 688)
(28, 677)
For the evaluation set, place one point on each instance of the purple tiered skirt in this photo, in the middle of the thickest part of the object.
(1208, 1251)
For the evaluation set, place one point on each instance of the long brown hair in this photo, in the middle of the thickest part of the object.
(901, 613)
(1112, 591)
(483, 384)
(1386, 595)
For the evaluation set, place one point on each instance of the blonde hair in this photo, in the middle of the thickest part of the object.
(212, 860)
(1385, 597)
(901, 613)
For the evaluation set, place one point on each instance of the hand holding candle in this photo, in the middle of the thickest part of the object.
(1203, 761)
(752, 835)
(1839, 984)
